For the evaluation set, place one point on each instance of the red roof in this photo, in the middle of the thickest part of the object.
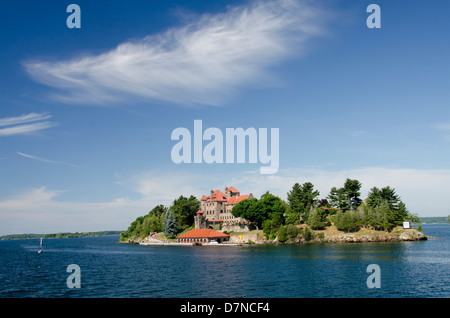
(235, 200)
(233, 190)
(202, 233)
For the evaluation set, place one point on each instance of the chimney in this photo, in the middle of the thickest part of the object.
(212, 193)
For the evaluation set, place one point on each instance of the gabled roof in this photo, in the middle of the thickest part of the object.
(235, 200)
(202, 233)
(233, 190)
(217, 196)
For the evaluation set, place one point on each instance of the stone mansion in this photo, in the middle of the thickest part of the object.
(216, 209)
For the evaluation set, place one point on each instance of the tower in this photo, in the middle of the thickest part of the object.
(200, 220)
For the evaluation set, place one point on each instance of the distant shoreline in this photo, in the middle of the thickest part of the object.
(57, 235)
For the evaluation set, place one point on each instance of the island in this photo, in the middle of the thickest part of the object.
(230, 218)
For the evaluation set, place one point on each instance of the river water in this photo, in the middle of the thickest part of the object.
(108, 269)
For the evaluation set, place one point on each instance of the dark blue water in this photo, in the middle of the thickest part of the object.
(108, 269)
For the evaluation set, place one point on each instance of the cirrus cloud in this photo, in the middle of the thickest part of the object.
(199, 63)
(25, 124)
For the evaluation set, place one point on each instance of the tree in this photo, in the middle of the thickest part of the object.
(294, 199)
(272, 206)
(282, 234)
(249, 210)
(347, 221)
(170, 224)
(352, 193)
(347, 197)
(397, 209)
(301, 198)
(184, 210)
(363, 212)
(448, 218)
(269, 207)
(386, 216)
(335, 198)
(315, 220)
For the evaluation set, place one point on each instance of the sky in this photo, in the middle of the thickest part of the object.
(87, 114)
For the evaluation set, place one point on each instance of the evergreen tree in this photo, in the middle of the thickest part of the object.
(352, 193)
(395, 212)
(301, 198)
(347, 197)
(170, 226)
(315, 220)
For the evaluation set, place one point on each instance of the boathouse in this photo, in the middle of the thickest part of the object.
(202, 236)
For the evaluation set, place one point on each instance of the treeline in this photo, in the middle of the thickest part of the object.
(435, 219)
(170, 220)
(344, 207)
(57, 235)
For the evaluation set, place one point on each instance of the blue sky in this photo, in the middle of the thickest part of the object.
(86, 114)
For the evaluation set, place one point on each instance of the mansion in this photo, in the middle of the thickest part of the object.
(216, 209)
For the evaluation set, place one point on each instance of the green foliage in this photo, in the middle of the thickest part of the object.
(300, 200)
(269, 207)
(170, 226)
(395, 212)
(282, 234)
(347, 221)
(144, 225)
(433, 219)
(292, 218)
(347, 197)
(419, 228)
(250, 210)
(315, 220)
(184, 210)
(307, 234)
(287, 233)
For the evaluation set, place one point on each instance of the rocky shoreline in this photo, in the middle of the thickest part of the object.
(397, 235)
(327, 236)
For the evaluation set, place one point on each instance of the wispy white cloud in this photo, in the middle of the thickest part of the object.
(44, 160)
(26, 129)
(25, 124)
(199, 63)
(25, 118)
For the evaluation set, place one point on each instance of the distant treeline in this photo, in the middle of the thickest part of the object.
(56, 235)
(435, 219)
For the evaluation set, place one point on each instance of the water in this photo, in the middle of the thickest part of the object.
(109, 269)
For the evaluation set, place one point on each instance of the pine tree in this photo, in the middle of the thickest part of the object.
(170, 224)
(301, 198)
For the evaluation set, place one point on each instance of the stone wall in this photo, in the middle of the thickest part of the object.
(241, 238)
